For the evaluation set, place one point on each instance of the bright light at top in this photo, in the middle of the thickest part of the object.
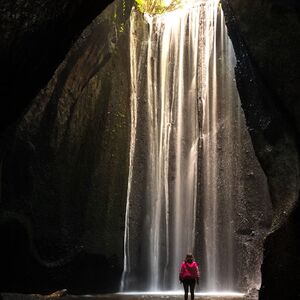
(167, 2)
(153, 7)
(158, 7)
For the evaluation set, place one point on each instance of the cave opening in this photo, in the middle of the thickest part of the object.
(153, 7)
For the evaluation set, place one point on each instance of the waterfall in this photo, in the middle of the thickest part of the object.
(184, 152)
(221, 169)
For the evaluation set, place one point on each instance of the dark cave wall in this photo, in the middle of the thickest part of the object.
(34, 38)
(271, 29)
(267, 42)
(64, 174)
(273, 135)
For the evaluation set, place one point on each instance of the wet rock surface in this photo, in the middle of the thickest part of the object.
(34, 38)
(115, 297)
(64, 175)
(268, 78)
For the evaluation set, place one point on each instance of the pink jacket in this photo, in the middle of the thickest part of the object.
(189, 271)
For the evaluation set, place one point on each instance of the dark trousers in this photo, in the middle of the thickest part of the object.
(186, 284)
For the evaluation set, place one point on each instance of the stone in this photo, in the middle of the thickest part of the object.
(35, 37)
(65, 174)
(267, 71)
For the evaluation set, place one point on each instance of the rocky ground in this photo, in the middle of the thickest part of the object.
(114, 297)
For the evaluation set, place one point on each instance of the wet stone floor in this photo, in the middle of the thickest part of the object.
(123, 297)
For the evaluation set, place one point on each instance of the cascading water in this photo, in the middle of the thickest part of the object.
(170, 131)
(185, 128)
(221, 165)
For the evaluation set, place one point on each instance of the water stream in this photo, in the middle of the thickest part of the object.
(184, 152)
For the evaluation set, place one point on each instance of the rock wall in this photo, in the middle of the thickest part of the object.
(64, 175)
(34, 38)
(267, 43)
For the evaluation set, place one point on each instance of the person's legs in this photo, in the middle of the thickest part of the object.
(192, 288)
(186, 289)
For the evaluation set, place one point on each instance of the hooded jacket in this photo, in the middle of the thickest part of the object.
(189, 271)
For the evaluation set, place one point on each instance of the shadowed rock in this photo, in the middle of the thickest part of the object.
(266, 39)
(66, 171)
(34, 38)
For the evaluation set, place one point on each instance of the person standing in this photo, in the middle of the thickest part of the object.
(189, 275)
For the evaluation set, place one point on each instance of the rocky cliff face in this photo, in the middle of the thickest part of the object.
(64, 175)
(34, 38)
(267, 43)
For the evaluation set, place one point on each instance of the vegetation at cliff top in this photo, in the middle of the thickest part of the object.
(157, 6)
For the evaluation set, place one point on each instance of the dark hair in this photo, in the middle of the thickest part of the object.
(189, 256)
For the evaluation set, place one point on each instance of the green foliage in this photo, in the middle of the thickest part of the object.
(157, 6)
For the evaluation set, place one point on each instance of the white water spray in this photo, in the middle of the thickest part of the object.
(185, 126)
